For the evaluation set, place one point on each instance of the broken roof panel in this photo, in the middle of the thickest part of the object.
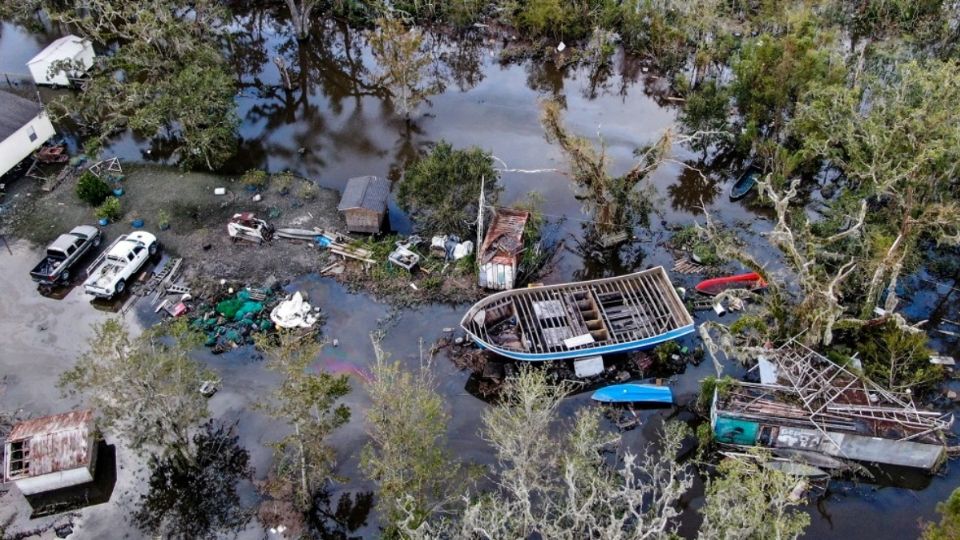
(504, 238)
(58, 442)
(15, 112)
(367, 192)
(66, 47)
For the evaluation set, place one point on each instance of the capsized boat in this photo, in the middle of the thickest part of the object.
(751, 281)
(572, 320)
(634, 393)
(744, 183)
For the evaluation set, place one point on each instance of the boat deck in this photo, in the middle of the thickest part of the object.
(585, 315)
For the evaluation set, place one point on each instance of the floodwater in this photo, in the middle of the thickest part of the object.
(334, 125)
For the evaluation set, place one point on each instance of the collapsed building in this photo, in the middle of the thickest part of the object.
(811, 409)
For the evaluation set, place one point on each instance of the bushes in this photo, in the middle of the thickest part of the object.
(255, 178)
(110, 209)
(91, 189)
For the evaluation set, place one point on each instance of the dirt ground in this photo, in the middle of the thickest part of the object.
(198, 220)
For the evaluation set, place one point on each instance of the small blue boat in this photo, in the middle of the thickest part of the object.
(634, 393)
(745, 183)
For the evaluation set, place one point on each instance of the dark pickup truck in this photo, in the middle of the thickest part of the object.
(63, 253)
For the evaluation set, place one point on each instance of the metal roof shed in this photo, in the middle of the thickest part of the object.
(70, 48)
(501, 249)
(364, 203)
(51, 452)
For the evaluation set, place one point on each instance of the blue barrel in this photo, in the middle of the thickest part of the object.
(104, 222)
(137, 223)
(118, 191)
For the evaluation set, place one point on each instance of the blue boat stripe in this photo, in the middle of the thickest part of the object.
(578, 353)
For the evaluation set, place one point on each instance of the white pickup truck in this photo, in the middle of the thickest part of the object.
(108, 274)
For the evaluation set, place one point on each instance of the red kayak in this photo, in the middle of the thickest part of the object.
(751, 281)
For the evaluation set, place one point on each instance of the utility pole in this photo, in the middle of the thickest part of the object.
(480, 220)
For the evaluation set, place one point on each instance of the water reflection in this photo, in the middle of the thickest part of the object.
(339, 521)
(192, 492)
(692, 190)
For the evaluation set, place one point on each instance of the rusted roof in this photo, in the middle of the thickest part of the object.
(504, 238)
(368, 192)
(57, 443)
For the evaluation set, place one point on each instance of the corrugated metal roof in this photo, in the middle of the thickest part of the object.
(504, 238)
(367, 192)
(15, 112)
(66, 47)
(57, 443)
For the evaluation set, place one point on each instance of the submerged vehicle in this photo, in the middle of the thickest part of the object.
(557, 322)
(634, 393)
(109, 273)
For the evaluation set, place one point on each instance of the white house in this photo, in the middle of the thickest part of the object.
(71, 48)
(24, 127)
(51, 452)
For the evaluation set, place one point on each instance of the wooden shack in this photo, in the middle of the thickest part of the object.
(500, 252)
(364, 204)
(52, 452)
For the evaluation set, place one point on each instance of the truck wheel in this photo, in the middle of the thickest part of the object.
(152, 250)
(121, 285)
(96, 241)
(65, 276)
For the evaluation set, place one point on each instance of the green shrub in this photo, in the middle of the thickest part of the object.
(282, 182)
(110, 209)
(255, 178)
(91, 189)
(308, 191)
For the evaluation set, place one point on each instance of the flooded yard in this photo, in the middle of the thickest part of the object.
(332, 127)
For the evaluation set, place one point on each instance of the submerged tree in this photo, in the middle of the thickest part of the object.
(398, 52)
(616, 203)
(165, 78)
(441, 190)
(949, 525)
(193, 494)
(407, 456)
(144, 389)
(559, 483)
(308, 403)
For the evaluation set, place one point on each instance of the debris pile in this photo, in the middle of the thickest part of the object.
(295, 312)
(233, 321)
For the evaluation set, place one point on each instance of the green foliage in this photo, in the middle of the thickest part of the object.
(399, 53)
(949, 526)
(163, 218)
(91, 189)
(110, 209)
(255, 178)
(144, 389)
(282, 182)
(308, 191)
(416, 474)
(897, 358)
(752, 502)
(749, 323)
(166, 79)
(442, 189)
(706, 110)
(711, 384)
(663, 352)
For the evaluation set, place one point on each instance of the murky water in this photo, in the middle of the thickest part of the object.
(333, 125)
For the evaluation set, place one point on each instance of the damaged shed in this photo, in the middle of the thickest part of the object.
(500, 252)
(364, 203)
(51, 452)
(63, 61)
(807, 403)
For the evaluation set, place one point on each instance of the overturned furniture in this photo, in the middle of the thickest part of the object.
(807, 404)
(246, 226)
(51, 452)
(573, 320)
(500, 252)
(364, 203)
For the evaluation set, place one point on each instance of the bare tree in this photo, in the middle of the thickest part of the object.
(300, 13)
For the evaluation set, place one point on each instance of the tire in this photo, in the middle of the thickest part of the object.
(65, 276)
(152, 250)
(97, 240)
(121, 285)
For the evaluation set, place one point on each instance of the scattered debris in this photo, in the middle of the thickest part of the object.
(294, 312)
(246, 226)
(589, 366)
(686, 266)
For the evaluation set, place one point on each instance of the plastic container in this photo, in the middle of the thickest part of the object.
(104, 222)
(137, 223)
(219, 191)
(118, 191)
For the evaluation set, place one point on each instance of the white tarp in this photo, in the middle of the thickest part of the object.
(768, 371)
(588, 367)
(293, 312)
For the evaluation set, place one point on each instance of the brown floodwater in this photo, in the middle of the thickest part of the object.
(332, 125)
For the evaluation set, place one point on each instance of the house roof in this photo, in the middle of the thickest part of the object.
(15, 112)
(504, 238)
(64, 48)
(368, 192)
(57, 443)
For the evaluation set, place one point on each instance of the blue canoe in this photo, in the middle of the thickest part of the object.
(745, 183)
(634, 393)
